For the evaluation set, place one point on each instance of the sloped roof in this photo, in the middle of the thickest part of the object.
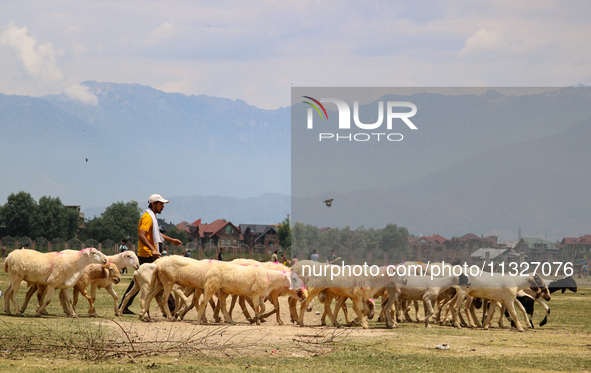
(531, 242)
(215, 227)
(183, 226)
(493, 253)
(255, 228)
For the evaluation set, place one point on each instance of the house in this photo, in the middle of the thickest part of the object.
(463, 247)
(537, 250)
(576, 249)
(489, 254)
(429, 248)
(184, 226)
(220, 233)
(260, 236)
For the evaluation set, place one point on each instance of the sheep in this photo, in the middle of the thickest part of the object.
(142, 279)
(422, 288)
(496, 287)
(176, 269)
(563, 284)
(124, 259)
(55, 269)
(297, 293)
(346, 285)
(314, 284)
(253, 281)
(97, 276)
(121, 260)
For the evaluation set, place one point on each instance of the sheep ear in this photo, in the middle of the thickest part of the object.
(106, 271)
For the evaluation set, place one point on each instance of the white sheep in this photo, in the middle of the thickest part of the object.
(253, 281)
(297, 292)
(422, 288)
(124, 259)
(318, 277)
(55, 270)
(142, 278)
(121, 260)
(176, 269)
(496, 287)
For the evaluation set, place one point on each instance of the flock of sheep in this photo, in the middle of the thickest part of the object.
(195, 283)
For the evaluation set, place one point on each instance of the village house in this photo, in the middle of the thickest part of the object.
(220, 233)
(537, 250)
(260, 237)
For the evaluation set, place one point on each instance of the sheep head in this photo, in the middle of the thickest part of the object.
(113, 272)
(94, 255)
(130, 259)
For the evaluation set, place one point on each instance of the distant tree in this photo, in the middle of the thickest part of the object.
(394, 240)
(17, 214)
(284, 233)
(118, 221)
(174, 232)
(52, 220)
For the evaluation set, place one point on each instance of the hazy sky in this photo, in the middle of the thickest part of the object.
(256, 50)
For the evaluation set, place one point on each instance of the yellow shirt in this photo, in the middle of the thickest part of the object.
(145, 224)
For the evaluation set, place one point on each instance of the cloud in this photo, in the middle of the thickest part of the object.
(39, 60)
(161, 33)
(81, 93)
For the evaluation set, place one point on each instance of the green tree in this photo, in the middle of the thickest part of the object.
(174, 232)
(284, 234)
(118, 221)
(394, 240)
(17, 214)
(52, 219)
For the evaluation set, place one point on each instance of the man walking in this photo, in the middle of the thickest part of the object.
(149, 237)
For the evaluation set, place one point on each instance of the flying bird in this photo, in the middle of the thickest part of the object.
(86, 160)
(328, 202)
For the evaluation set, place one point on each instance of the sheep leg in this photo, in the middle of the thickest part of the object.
(312, 293)
(428, 306)
(525, 315)
(48, 294)
(7, 299)
(258, 308)
(167, 286)
(546, 308)
(222, 303)
(469, 311)
(114, 295)
(242, 302)
(327, 310)
(357, 307)
(511, 309)
(233, 303)
(208, 292)
(390, 320)
(338, 306)
(293, 312)
(276, 308)
(89, 298)
(15, 283)
(32, 289)
(145, 303)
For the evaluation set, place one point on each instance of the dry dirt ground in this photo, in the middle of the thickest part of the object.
(242, 332)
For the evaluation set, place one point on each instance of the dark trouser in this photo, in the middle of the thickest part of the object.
(142, 260)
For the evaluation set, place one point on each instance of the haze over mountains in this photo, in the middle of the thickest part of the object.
(490, 163)
(483, 170)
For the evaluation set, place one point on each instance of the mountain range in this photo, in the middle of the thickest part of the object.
(502, 163)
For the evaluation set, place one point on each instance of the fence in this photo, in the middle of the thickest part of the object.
(110, 247)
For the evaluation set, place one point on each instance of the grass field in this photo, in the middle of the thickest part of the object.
(125, 344)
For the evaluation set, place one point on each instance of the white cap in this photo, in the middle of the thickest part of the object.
(157, 198)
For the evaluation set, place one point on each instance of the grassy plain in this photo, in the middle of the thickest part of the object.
(125, 344)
